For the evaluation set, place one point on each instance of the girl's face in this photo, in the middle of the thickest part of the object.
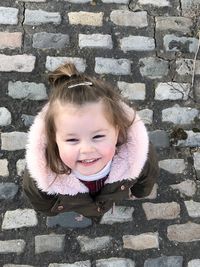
(86, 139)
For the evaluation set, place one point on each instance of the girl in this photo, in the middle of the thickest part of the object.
(86, 149)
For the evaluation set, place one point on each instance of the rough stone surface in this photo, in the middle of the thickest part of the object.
(86, 18)
(183, 44)
(133, 91)
(113, 66)
(128, 18)
(95, 41)
(141, 242)
(172, 91)
(18, 63)
(4, 167)
(94, 244)
(146, 115)
(10, 40)
(153, 68)
(179, 115)
(159, 138)
(164, 261)
(19, 218)
(5, 116)
(137, 43)
(193, 208)
(27, 90)
(75, 264)
(38, 17)
(187, 232)
(159, 3)
(193, 140)
(20, 165)
(115, 262)
(52, 242)
(53, 62)
(13, 141)
(12, 246)
(27, 119)
(8, 15)
(187, 188)
(194, 263)
(165, 211)
(180, 24)
(120, 214)
(44, 40)
(8, 190)
(172, 165)
(196, 158)
(68, 219)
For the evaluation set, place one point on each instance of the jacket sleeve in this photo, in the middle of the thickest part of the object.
(148, 176)
(40, 201)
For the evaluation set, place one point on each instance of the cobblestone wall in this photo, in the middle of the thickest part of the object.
(149, 49)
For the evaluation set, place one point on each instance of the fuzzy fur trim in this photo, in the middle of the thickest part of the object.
(127, 163)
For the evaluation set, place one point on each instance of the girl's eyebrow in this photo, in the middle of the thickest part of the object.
(100, 130)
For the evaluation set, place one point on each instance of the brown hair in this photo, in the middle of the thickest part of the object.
(65, 81)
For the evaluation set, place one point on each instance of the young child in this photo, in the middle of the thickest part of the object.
(86, 149)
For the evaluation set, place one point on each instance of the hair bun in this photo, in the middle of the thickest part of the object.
(63, 73)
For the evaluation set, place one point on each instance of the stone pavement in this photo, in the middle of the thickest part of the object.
(149, 49)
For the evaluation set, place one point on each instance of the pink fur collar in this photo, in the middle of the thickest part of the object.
(126, 164)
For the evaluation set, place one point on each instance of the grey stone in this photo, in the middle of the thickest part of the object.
(179, 115)
(133, 91)
(45, 40)
(190, 7)
(68, 220)
(172, 91)
(13, 141)
(51, 242)
(18, 63)
(4, 167)
(129, 18)
(21, 163)
(164, 261)
(159, 3)
(197, 162)
(95, 41)
(94, 244)
(17, 265)
(194, 263)
(146, 115)
(38, 17)
(53, 62)
(153, 68)
(193, 208)
(32, 91)
(184, 66)
(137, 43)
(12, 246)
(75, 264)
(188, 232)
(187, 188)
(5, 116)
(8, 15)
(112, 66)
(179, 24)
(115, 262)
(141, 242)
(159, 138)
(163, 211)
(172, 165)
(119, 214)
(115, 1)
(183, 44)
(8, 190)
(19, 218)
(27, 119)
(193, 140)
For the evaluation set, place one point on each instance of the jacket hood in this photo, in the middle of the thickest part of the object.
(126, 164)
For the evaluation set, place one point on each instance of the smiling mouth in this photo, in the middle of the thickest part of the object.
(87, 162)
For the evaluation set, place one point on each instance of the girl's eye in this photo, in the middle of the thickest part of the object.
(98, 136)
(72, 140)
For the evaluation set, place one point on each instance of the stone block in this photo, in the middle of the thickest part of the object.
(133, 91)
(39, 17)
(129, 18)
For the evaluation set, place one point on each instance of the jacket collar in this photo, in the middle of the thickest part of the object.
(127, 163)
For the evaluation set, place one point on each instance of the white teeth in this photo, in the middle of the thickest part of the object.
(88, 160)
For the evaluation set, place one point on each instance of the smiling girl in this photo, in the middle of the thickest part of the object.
(86, 148)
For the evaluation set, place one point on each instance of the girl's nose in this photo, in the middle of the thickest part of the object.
(86, 147)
